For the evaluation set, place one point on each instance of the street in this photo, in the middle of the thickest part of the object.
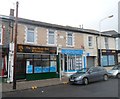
(98, 89)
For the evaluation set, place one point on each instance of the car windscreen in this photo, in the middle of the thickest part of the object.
(115, 68)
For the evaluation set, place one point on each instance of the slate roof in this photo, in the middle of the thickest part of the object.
(55, 26)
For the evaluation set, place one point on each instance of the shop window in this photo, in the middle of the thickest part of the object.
(41, 63)
(53, 67)
(52, 57)
(111, 60)
(51, 37)
(108, 60)
(70, 39)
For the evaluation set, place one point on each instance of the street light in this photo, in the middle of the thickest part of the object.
(100, 36)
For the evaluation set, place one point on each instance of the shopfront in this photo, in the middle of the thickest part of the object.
(72, 60)
(109, 57)
(118, 54)
(36, 62)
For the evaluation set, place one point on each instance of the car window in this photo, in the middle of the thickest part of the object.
(93, 69)
(119, 67)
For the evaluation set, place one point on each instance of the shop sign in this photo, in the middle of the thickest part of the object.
(73, 52)
(36, 49)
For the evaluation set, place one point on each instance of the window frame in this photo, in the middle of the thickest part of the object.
(48, 36)
(71, 45)
(35, 34)
(90, 41)
(106, 42)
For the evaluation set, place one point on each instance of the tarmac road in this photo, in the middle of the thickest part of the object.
(98, 89)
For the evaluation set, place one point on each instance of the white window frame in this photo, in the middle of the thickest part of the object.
(72, 39)
(90, 42)
(106, 42)
(1, 34)
(55, 37)
(35, 34)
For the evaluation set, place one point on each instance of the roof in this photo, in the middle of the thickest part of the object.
(54, 26)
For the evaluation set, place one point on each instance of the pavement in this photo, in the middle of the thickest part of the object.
(23, 84)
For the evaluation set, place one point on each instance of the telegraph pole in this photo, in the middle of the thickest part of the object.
(15, 47)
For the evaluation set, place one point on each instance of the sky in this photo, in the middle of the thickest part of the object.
(67, 12)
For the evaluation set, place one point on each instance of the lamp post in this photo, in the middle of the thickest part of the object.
(100, 36)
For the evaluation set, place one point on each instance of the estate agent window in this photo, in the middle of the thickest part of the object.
(41, 64)
(51, 37)
(70, 39)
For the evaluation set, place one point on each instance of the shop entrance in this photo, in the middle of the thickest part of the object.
(73, 62)
(21, 67)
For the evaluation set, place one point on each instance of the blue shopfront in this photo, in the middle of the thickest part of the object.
(72, 60)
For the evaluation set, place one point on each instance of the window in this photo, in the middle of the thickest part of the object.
(106, 42)
(70, 39)
(0, 34)
(30, 35)
(90, 40)
(51, 37)
(41, 63)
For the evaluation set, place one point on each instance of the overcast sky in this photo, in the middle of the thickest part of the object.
(67, 12)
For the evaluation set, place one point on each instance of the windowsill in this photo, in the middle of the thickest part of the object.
(30, 42)
(91, 48)
(70, 45)
(52, 44)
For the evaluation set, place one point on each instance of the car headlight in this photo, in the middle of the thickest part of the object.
(78, 78)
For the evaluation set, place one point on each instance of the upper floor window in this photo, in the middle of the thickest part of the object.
(30, 35)
(106, 42)
(0, 34)
(51, 37)
(90, 41)
(70, 39)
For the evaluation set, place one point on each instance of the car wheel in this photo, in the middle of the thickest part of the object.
(85, 81)
(118, 76)
(105, 77)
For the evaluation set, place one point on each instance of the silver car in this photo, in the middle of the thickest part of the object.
(91, 75)
(115, 71)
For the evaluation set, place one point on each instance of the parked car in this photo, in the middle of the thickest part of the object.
(82, 70)
(115, 71)
(90, 75)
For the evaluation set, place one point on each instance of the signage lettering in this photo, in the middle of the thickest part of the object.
(36, 49)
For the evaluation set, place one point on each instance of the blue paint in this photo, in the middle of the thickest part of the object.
(88, 54)
(37, 69)
(84, 62)
(29, 69)
(72, 52)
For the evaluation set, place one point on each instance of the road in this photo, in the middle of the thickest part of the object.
(98, 89)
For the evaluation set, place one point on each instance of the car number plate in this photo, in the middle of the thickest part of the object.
(71, 80)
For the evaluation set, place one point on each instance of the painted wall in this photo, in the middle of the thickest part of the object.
(42, 36)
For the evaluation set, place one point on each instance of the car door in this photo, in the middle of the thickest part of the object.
(93, 74)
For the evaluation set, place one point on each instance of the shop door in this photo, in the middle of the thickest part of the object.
(90, 61)
(71, 63)
(20, 67)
